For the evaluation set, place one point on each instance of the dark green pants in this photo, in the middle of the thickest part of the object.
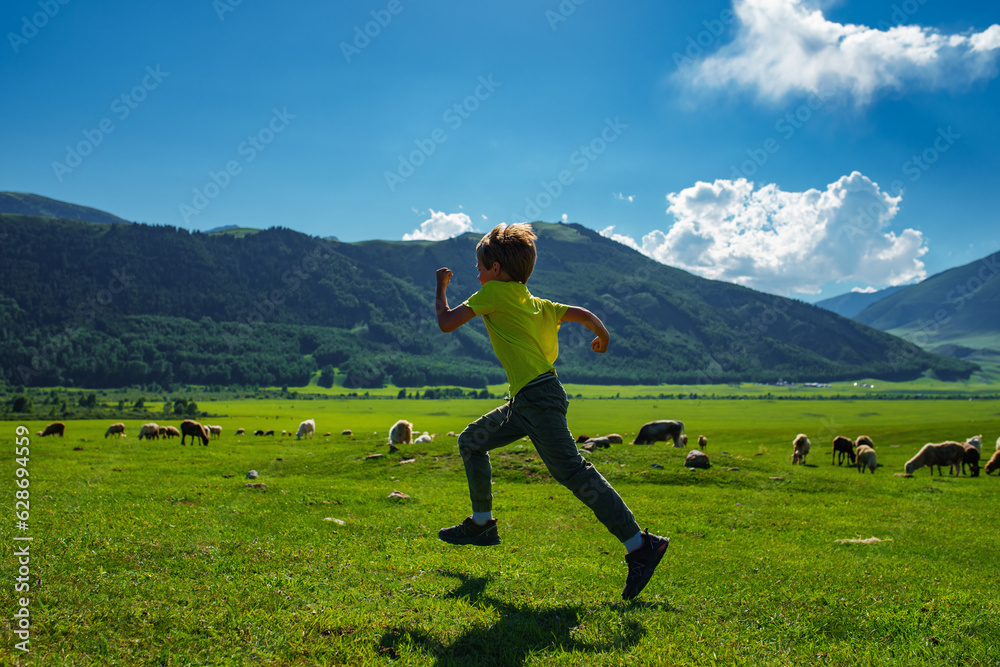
(539, 412)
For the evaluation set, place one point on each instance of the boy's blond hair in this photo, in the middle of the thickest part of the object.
(513, 246)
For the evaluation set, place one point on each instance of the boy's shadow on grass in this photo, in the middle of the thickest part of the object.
(519, 631)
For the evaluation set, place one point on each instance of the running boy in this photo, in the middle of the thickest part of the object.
(523, 330)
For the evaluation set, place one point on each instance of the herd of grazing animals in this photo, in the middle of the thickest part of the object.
(859, 452)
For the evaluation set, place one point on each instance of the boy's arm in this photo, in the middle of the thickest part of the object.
(592, 322)
(449, 319)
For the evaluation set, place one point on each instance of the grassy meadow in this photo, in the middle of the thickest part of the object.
(150, 553)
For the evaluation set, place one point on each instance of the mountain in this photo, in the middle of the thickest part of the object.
(957, 311)
(108, 305)
(852, 303)
(22, 203)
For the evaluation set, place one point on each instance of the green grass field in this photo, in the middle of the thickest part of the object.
(150, 553)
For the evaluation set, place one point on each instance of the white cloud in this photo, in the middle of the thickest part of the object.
(565, 218)
(785, 47)
(440, 226)
(864, 290)
(609, 232)
(621, 197)
(786, 242)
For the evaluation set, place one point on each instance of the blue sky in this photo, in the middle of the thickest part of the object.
(799, 148)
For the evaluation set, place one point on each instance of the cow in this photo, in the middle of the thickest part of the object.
(658, 431)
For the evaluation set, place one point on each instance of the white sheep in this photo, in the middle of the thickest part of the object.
(866, 459)
(426, 437)
(308, 427)
(401, 433)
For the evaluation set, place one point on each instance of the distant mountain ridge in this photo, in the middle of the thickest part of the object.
(852, 303)
(112, 305)
(23, 203)
(958, 307)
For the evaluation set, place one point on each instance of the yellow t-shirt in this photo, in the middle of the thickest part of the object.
(523, 329)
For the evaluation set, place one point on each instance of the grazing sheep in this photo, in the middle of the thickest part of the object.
(939, 454)
(702, 443)
(401, 433)
(614, 438)
(842, 447)
(55, 428)
(800, 448)
(976, 441)
(347, 431)
(308, 427)
(269, 432)
(864, 440)
(117, 430)
(597, 443)
(258, 432)
(658, 431)
(971, 457)
(171, 432)
(240, 431)
(426, 437)
(214, 431)
(149, 431)
(162, 431)
(993, 463)
(195, 430)
(684, 440)
(866, 459)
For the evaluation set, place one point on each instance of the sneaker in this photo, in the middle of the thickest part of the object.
(470, 532)
(641, 563)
